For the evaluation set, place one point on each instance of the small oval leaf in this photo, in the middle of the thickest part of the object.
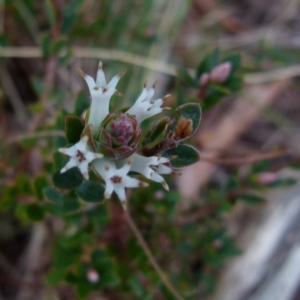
(251, 199)
(35, 212)
(185, 156)
(67, 180)
(53, 195)
(91, 191)
(186, 121)
(73, 129)
(70, 204)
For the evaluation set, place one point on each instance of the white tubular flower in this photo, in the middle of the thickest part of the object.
(80, 157)
(101, 93)
(151, 167)
(144, 107)
(116, 179)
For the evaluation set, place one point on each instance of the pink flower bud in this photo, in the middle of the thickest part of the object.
(220, 73)
(118, 135)
(217, 244)
(204, 79)
(266, 177)
(93, 276)
(159, 195)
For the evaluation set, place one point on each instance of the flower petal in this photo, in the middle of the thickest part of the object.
(80, 156)
(100, 78)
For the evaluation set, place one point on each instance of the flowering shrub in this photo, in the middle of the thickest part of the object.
(111, 144)
(59, 167)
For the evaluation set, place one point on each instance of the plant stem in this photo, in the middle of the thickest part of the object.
(151, 258)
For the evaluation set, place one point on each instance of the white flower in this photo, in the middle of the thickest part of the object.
(101, 93)
(151, 167)
(144, 107)
(116, 179)
(80, 157)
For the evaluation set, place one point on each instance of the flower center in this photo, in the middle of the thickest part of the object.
(116, 179)
(80, 156)
(122, 127)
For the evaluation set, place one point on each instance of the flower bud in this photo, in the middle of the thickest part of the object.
(118, 135)
(93, 276)
(266, 178)
(220, 73)
(204, 79)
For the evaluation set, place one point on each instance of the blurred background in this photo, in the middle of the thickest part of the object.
(229, 228)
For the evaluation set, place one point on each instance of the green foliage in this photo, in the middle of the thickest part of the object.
(87, 236)
(50, 12)
(35, 212)
(40, 183)
(73, 129)
(209, 62)
(53, 195)
(180, 126)
(67, 180)
(185, 155)
(91, 191)
(251, 199)
(157, 132)
(282, 182)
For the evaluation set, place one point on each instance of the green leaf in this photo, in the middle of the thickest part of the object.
(83, 289)
(73, 7)
(186, 121)
(54, 277)
(181, 95)
(208, 63)
(46, 45)
(251, 199)
(67, 180)
(295, 165)
(156, 132)
(70, 204)
(235, 60)
(39, 183)
(136, 286)
(35, 212)
(185, 155)
(234, 83)
(186, 78)
(50, 12)
(106, 267)
(216, 94)
(70, 16)
(91, 191)
(63, 256)
(221, 90)
(64, 60)
(23, 185)
(58, 45)
(283, 182)
(59, 160)
(53, 195)
(82, 103)
(73, 129)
